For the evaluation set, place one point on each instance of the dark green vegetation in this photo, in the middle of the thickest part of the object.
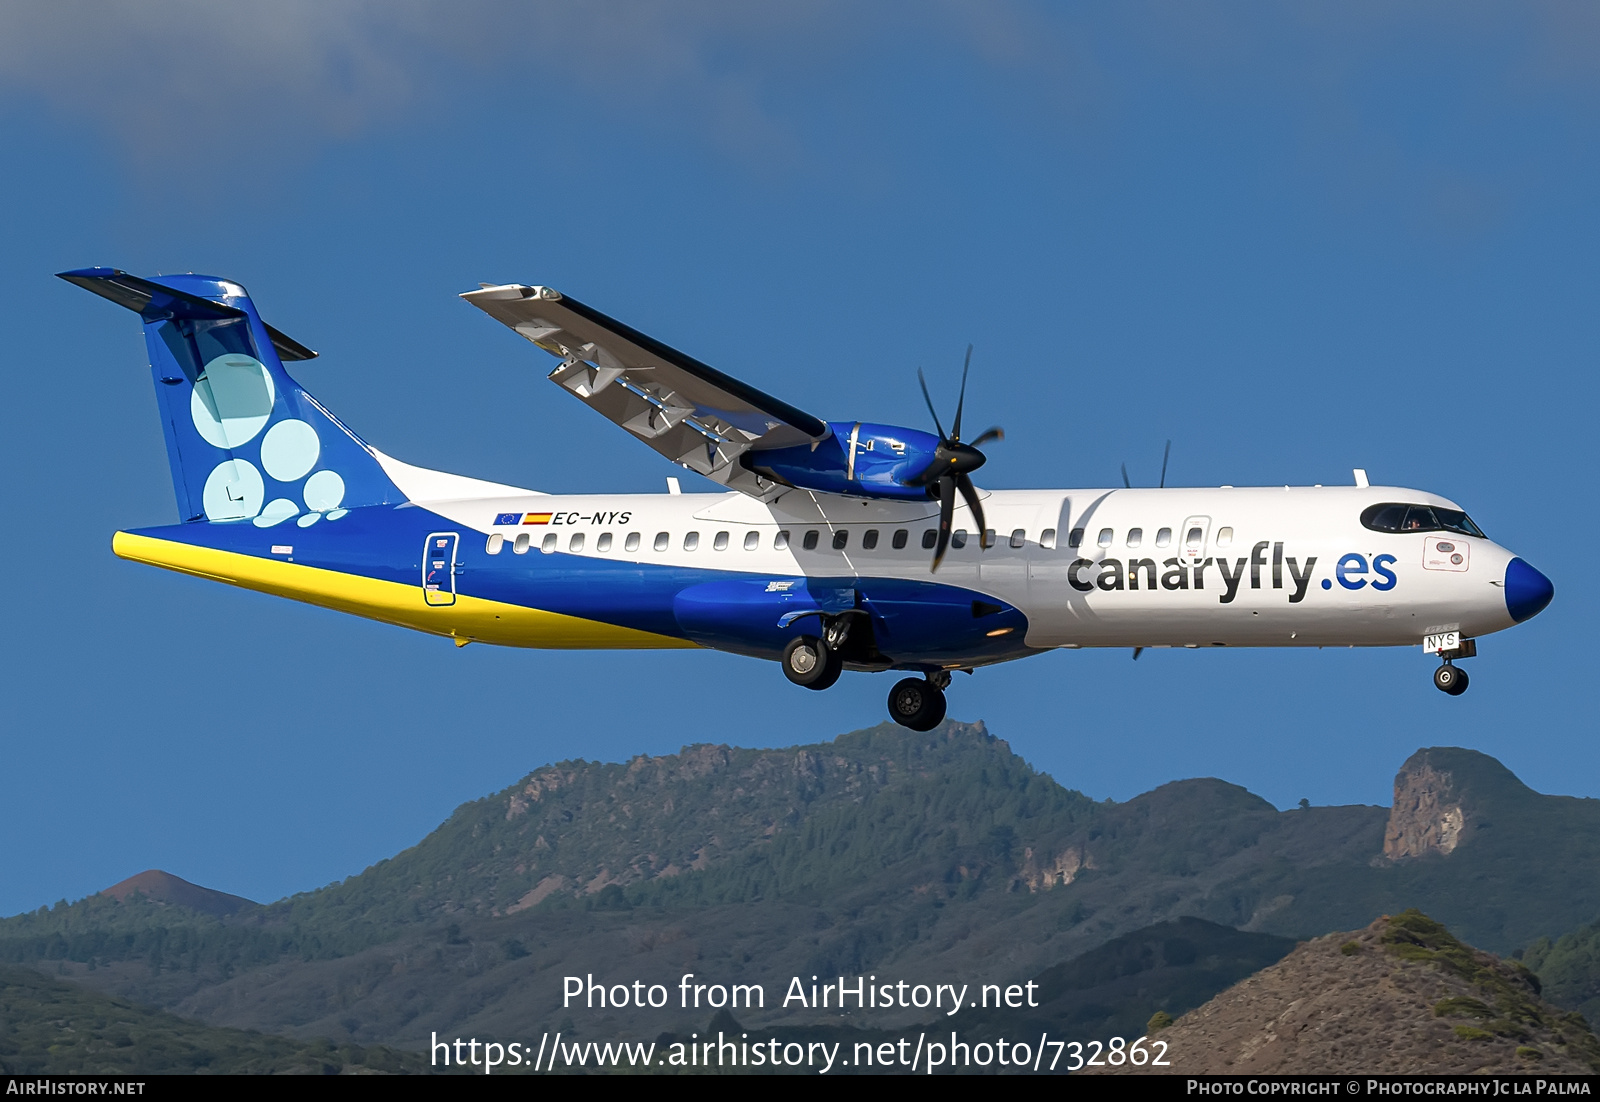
(1569, 967)
(1507, 1003)
(938, 857)
(52, 1028)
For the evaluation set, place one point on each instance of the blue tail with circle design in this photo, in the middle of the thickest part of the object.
(247, 444)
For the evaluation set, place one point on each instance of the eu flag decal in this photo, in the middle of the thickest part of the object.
(508, 518)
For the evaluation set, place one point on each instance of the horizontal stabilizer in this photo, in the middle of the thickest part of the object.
(154, 302)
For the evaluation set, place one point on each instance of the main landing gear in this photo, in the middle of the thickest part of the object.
(918, 703)
(809, 661)
(816, 662)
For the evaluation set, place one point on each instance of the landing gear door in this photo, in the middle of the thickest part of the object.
(1192, 539)
(439, 568)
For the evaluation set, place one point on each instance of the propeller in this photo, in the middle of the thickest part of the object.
(1165, 455)
(953, 463)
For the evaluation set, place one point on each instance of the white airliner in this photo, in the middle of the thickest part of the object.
(836, 546)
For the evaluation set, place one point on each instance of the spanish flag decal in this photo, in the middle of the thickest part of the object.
(536, 518)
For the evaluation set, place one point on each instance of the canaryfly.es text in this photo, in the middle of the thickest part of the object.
(840, 993)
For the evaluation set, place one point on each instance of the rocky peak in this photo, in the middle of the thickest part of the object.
(1427, 816)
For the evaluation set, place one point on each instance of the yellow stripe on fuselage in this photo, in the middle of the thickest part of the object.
(469, 619)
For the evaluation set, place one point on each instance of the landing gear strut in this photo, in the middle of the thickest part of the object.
(1448, 679)
(918, 703)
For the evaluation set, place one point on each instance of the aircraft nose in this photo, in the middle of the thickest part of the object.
(1527, 591)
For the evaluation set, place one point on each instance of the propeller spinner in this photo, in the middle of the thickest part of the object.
(952, 467)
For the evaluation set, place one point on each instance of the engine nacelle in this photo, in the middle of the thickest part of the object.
(858, 459)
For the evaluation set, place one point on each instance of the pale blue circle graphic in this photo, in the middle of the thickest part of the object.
(289, 450)
(232, 400)
(324, 491)
(309, 519)
(234, 491)
(337, 513)
(278, 510)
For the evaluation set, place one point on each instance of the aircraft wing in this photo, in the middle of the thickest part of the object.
(689, 412)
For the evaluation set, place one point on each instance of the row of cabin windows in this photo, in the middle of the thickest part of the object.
(752, 540)
(1193, 540)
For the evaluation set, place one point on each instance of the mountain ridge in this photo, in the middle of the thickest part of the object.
(942, 854)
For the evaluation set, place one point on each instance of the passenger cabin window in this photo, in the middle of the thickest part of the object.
(720, 543)
(1047, 539)
(929, 538)
(548, 544)
(900, 537)
(1075, 538)
(958, 538)
(1164, 537)
(1193, 539)
(752, 540)
(520, 547)
(810, 542)
(1019, 537)
(781, 540)
(1105, 537)
(1224, 537)
(496, 541)
(870, 539)
(576, 542)
(1397, 517)
(988, 537)
(1135, 537)
(632, 542)
(662, 539)
(691, 540)
(604, 542)
(840, 538)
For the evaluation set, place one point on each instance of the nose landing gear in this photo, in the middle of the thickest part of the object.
(1449, 679)
(918, 703)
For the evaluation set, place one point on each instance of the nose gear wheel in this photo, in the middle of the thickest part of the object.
(1450, 679)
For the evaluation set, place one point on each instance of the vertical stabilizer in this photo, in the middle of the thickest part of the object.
(247, 444)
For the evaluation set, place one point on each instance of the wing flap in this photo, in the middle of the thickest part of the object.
(685, 410)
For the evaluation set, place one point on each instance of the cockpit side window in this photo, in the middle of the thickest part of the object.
(1454, 520)
(1399, 517)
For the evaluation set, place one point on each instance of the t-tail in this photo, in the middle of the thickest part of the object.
(246, 442)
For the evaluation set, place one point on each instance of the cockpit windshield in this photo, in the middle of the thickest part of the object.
(1398, 517)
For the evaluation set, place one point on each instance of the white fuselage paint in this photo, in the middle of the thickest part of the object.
(1311, 528)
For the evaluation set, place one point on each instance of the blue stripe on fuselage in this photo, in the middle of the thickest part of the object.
(916, 622)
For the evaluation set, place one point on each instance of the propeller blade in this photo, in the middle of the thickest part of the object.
(995, 433)
(947, 512)
(1164, 457)
(955, 429)
(929, 400)
(1137, 651)
(1125, 481)
(970, 493)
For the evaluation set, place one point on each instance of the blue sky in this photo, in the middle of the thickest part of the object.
(1293, 239)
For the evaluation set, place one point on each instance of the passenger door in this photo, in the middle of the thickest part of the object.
(439, 568)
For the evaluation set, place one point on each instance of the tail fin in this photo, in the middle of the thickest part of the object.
(245, 441)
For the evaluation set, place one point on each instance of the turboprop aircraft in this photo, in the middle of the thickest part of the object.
(834, 545)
